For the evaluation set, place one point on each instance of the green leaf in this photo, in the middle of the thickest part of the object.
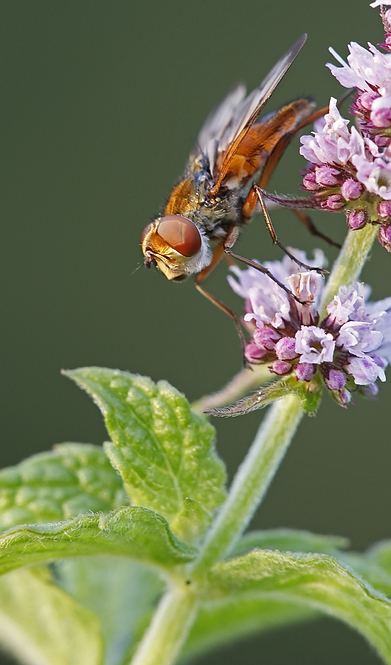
(290, 540)
(374, 565)
(315, 581)
(163, 451)
(75, 478)
(369, 569)
(119, 591)
(133, 532)
(309, 395)
(238, 616)
(381, 554)
(191, 522)
(41, 624)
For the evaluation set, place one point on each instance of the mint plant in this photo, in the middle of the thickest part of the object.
(136, 552)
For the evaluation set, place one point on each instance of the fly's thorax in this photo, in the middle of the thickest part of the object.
(191, 198)
(176, 245)
(189, 194)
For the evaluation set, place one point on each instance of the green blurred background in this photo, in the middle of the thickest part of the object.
(101, 104)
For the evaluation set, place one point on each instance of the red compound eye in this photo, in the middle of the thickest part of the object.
(181, 234)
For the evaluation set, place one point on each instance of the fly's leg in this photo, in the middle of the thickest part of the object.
(229, 242)
(309, 224)
(255, 194)
(275, 239)
(216, 258)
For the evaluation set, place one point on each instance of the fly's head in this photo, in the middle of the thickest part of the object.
(176, 246)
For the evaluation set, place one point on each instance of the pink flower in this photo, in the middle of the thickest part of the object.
(378, 3)
(290, 338)
(375, 175)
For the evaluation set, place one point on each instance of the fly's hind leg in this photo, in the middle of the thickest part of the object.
(255, 193)
(254, 196)
(275, 239)
(309, 224)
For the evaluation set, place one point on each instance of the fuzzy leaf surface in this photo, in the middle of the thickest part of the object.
(374, 565)
(132, 532)
(318, 582)
(381, 554)
(41, 624)
(290, 540)
(72, 479)
(238, 616)
(163, 450)
(369, 569)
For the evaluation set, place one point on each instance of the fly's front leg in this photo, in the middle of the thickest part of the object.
(217, 256)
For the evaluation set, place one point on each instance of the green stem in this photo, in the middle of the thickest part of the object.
(350, 261)
(252, 480)
(168, 629)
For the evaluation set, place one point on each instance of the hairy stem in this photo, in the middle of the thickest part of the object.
(168, 629)
(252, 480)
(350, 261)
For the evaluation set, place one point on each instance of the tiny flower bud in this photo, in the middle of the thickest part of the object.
(382, 141)
(370, 391)
(304, 371)
(335, 380)
(351, 189)
(365, 100)
(345, 397)
(285, 348)
(253, 353)
(335, 202)
(265, 338)
(381, 117)
(309, 182)
(280, 367)
(385, 236)
(356, 219)
(384, 210)
(327, 176)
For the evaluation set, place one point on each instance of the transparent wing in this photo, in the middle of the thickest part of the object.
(221, 118)
(248, 110)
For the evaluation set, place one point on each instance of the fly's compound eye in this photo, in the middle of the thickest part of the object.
(180, 234)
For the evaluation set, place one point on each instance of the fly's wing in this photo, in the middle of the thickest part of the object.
(217, 124)
(221, 117)
(248, 110)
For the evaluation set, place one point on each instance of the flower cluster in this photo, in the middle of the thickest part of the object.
(350, 169)
(386, 17)
(347, 171)
(349, 349)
